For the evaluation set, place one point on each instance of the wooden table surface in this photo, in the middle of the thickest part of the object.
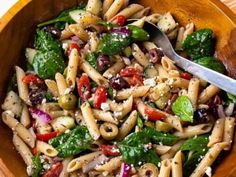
(4, 172)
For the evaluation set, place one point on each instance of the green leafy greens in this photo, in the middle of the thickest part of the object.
(133, 147)
(194, 149)
(183, 108)
(37, 166)
(72, 143)
(211, 63)
(199, 44)
(49, 58)
(91, 57)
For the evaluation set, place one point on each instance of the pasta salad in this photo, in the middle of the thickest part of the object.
(98, 98)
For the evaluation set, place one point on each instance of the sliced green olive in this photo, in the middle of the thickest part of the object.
(67, 101)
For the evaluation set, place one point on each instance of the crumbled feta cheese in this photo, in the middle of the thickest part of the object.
(117, 114)
(67, 131)
(67, 91)
(10, 113)
(208, 171)
(65, 46)
(105, 106)
(29, 170)
(105, 173)
(44, 100)
(150, 82)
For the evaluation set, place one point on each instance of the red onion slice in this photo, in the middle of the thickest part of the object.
(125, 170)
(40, 115)
(122, 31)
(97, 161)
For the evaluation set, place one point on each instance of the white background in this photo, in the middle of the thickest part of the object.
(5, 5)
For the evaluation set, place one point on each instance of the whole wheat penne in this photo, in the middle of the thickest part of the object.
(22, 87)
(90, 120)
(24, 151)
(21, 131)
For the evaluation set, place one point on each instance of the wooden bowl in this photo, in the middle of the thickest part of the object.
(18, 25)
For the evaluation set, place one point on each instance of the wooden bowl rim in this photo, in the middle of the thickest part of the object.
(19, 5)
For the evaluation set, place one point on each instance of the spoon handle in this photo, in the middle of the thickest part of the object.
(222, 81)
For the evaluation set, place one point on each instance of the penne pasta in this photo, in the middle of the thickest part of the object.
(168, 64)
(208, 159)
(134, 91)
(25, 117)
(104, 116)
(23, 150)
(176, 165)
(208, 93)
(52, 87)
(78, 162)
(141, 13)
(21, 131)
(111, 165)
(217, 132)
(106, 5)
(165, 168)
(228, 131)
(114, 8)
(161, 149)
(193, 89)
(192, 131)
(128, 125)
(114, 69)
(129, 11)
(22, 87)
(92, 73)
(65, 163)
(122, 109)
(94, 6)
(139, 55)
(90, 120)
(171, 153)
(61, 83)
(46, 149)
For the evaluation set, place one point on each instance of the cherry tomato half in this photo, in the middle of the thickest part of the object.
(84, 87)
(153, 114)
(186, 76)
(119, 20)
(100, 97)
(110, 150)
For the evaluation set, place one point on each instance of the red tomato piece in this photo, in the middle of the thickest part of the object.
(186, 76)
(100, 97)
(153, 114)
(54, 171)
(136, 80)
(35, 151)
(31, 79)
(110, 150)
(119, 20)
(72, 46)
(130, 72)
(84, 87)
(46, 136)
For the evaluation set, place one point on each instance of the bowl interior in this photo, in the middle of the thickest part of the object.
(17, 28)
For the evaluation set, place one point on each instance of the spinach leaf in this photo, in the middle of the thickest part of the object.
(183, 108)
(195, 144)
(91, 57)
(49, 58)
(72, 143)
(133, 147)
(194, 149)
(61, 19)
(107, 24)
(211, 63)
(133, 151)
(200, 44)
(191, 163)
(44, 41)
(231, 98)
(139, 122)
(138, 34)
(47, 63)
(159, 137)
(110, 92)
(37, 166)
(112, 44)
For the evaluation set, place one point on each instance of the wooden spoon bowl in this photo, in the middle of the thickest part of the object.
(18, 25)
